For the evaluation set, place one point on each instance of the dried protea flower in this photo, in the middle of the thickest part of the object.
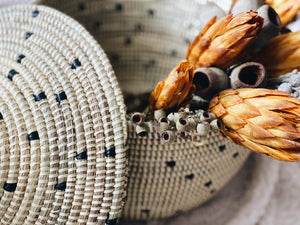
(286, 9)
(221, 42)
(281, 54)
(263, 120)
(175, 90)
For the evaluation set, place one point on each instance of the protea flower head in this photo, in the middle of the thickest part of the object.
(175, 89)
(281, 54)
(262, 120)
(286, 9)
(220, 43)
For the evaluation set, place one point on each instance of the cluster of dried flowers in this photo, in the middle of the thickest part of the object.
(234, 58)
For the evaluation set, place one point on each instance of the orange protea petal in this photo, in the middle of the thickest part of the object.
(284, 50)
(175, 89)
(221, 42)
(263, 120)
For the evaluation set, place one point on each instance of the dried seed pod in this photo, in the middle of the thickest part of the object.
(203, 128)
(171, 116)
(162, 127)
(215, 125)
(158, 114)
(209, 81)
(281, 54)
(182, 124)
(142, 129)
(207, 116)
(138, 118)
(168, 136)
(192, 123)
(222, 43)
(286, 9)
(263, 120)
(249, 74)
(271, 27)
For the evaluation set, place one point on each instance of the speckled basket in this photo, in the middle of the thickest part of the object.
(144, 41)
(62, 123)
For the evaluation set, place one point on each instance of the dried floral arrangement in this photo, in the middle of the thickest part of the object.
(239, 79)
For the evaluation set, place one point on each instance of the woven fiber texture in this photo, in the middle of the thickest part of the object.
(62, 123)
(144, 41)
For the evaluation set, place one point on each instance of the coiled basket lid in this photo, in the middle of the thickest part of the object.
(145, 40)
(62, 123)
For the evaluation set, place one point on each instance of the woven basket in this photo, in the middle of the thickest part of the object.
(83, 116)
(144, 41)
(62, 125)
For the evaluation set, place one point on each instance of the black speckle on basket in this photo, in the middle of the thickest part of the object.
(97, 24)
(75, 64)
(235, 155)
(81, 6)
(207, 184)
(146, 211)
(61, 186)
(110, 152)
(150, 12)
(1, 116)
(119, 7)
(171, 164)
(28, 35)
(10, 187)
(82, 155)
(222, 148)
(35, 13)
(11, 74)
(173, 53)
(20, 57)
(114, 58)
(33, 136)
(190, 176)
(111, 222)
(127, 41)
(138, 27)
(60, 97)
(40, 96)
(212, 191)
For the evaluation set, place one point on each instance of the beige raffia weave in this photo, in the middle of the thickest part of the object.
(144, 41)
(62, 123)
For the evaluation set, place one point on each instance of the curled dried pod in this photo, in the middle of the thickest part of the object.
(207, 116)
(171, 116)
(182, 124)
(159, 113)
(203, 128)
(249, 74)
(192, 123)
(142, 129)
(179, 115)
(162, 127)
(271, 26)
(137, 118)
(168, 136)
(209, 81)
(215, 125)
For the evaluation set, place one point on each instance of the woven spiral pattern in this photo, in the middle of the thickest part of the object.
(144, 41)
(62, 123)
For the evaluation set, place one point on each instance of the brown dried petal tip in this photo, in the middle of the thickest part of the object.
(222, 42)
